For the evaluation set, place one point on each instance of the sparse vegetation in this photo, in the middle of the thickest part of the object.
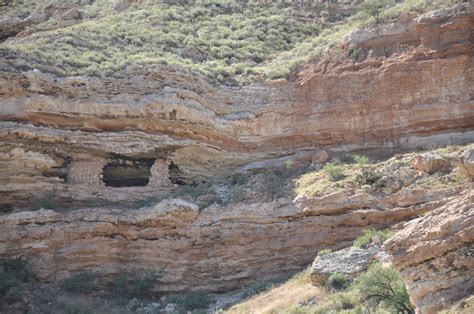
(82, 283)
(361, 159)
(383, 287)
(375, 7)
(134, 285)
(13, 274)
(366, 238)
(192, 301)
(324, 252)
(334, 171)
(227, 44)
(367, 177)
(337, 282)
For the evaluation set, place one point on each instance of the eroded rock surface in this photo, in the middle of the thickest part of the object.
(350, 261)
(435, 254)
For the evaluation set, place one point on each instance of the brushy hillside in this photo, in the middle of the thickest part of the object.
(225, 42)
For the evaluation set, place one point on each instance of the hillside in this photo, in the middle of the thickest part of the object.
(223, 41)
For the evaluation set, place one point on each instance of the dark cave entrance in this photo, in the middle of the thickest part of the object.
(127, 173)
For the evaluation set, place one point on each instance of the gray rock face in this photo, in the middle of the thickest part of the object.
(349, 261)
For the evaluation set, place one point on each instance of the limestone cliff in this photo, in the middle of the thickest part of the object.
(96, 155)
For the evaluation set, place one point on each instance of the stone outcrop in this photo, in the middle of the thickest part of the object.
(349, 261)
(219, 248)
(434, 254)
(467, 164)
(430, 163)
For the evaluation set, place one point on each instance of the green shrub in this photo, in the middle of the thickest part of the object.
(366, 238)
(337, 282)
(191, 301)
(367, 177)
(334, 171)
(134, 285)
(361, 159)
(383, 287)
(375, 7)
(13, 273)
(324, 252)
(83, 283)
(238, 195)
(346, 158)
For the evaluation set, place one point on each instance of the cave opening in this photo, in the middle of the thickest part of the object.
(127, 172)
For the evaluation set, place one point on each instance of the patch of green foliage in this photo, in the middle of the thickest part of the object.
(211, 41)
(227, 43)
(193, 301)
(134, 285)
(383, 287)
(337, 282)
(361, 159)
(324, 252)
(334, 171)
(367, 177)
(375, 7)
(366, 238)
(13, 274)
(82, 283)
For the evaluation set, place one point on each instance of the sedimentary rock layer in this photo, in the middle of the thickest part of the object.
(218, 248)
(435, 254)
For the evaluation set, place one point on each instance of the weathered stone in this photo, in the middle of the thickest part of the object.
(435, 253)
(467, 164)
(319, 157)
(86, 170)
(159, 173)
(430, 163)
(350, 262)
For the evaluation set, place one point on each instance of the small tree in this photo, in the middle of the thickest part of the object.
(383, 286)
(374, 8)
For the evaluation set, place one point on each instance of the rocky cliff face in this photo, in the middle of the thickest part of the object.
(435, 254)
(101, 146)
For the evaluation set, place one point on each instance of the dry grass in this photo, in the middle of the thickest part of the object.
(282, 298)
(465, 306)
(318, 183)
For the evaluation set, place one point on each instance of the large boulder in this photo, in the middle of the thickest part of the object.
(430, 163)
(349, 261)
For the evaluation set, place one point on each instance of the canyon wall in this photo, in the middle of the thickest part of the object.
(66, 141)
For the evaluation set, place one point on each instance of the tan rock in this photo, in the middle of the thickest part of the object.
(429, 163)
(434, 254)
(467, 164)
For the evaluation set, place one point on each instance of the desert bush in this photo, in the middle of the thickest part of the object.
(238, 195)
(334, 171)
(83, 283)
(337, 282)
(346, 158)
(13, 273)
(191, 301)
(367, 176)
(383, 287)
(375, 7)
(324, 252)
(133, 285)
(367, 236)
(361, 159)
